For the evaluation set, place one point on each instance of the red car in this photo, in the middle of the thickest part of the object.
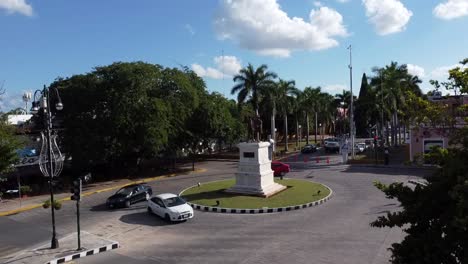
(279, 168)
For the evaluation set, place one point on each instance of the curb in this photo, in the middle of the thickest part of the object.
(391, 166)
(417, 183)
(85, 253)
(34, 206)
(263, 210)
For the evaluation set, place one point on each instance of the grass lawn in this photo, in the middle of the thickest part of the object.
(298, 192)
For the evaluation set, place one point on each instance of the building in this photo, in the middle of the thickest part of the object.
(423, 137)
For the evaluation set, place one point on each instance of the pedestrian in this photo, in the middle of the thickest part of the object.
(386, 153)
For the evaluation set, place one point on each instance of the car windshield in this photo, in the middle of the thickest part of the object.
(125, 191)
(174, 201)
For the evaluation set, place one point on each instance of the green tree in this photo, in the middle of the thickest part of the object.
(249, 83)
(435, 217)
(458, 79)
(389, 84)
(9, 144)
(363, 104)
(215, 120)
(286, 93)
(120, 113)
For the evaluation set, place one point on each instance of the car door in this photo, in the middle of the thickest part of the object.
(140, 193)
(134, 196)
(158, 206)
(153, 204)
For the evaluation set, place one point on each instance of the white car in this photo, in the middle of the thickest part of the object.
(170, 207)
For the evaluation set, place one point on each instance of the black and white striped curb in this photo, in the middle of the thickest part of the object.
(263, 210)
(85, 253)
(421, 183)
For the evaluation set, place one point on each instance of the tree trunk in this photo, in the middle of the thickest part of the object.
(315, 127)
(398, 130)
(404, 133)
(285, 132)
(307, 121)
(297, 132)
(387, 133)
(273, 125)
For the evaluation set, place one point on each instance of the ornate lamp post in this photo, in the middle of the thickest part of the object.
(50, 158)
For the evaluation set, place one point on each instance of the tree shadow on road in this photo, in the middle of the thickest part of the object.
(103, 207)
(144, 218)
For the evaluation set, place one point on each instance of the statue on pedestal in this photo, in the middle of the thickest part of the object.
(256, 125)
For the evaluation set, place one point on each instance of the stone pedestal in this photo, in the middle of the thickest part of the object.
(254, 175)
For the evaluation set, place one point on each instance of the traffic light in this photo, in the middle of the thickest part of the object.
(76, 190)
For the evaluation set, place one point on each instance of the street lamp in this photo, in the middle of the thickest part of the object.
(300, 136)
(50, 158)
(320, 130)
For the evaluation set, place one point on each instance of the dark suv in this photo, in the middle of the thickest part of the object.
(332, 145)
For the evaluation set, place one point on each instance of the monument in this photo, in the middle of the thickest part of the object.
(254, 175)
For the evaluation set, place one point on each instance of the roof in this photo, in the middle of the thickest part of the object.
(166, 195)
(18, 119)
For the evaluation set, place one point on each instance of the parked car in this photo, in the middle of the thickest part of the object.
(360, 147)
(129, 195)
(311, 148)
(332, 145)
(279, 168)
(171, 207)
(369, 143)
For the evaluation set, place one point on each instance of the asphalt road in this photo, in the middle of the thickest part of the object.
(335, 232)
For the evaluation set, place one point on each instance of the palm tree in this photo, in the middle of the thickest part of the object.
(343, 101)
(327, 109)
(286, 93)
(390, 84)
(249, 82)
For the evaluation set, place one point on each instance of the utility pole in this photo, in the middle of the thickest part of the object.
(351, 125)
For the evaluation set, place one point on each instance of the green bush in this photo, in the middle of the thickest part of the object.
(57, 204)
(25, 189)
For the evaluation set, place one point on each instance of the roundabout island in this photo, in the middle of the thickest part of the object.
(212, 196)
(254, 189)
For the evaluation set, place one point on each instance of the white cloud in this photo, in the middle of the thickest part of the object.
(263, 27)
(206, 72)
(16, 6)
(416, 70)
(318, 4)
(387, 16)
(230, 65)
(190, 29)
(442, 72)
(335, 88)
(226, 66)
(342, 1)
(451, 9)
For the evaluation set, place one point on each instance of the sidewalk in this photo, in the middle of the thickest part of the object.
(90, 245)
(17, 205)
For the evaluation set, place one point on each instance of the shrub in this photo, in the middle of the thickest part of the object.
(57, 204)
(25, 189)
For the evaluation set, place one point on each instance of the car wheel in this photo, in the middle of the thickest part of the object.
(148, 196)
(111, 206)
(167, 218)
(127, 204)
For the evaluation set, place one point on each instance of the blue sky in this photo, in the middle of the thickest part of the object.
(302, 40)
